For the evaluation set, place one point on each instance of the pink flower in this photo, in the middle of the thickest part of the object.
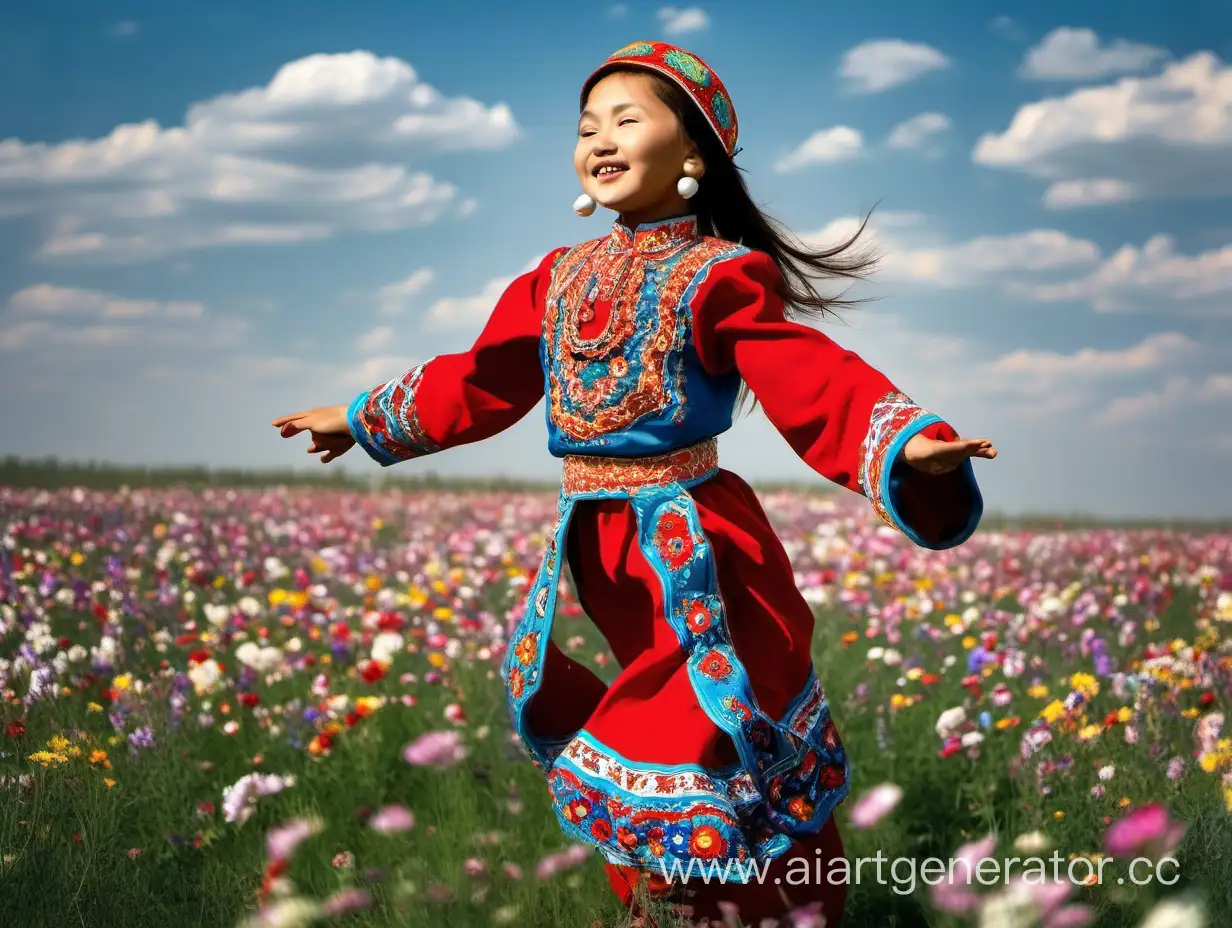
(950, 894)
(435, 748)
(574, 856)
(392, 819)
(1070, 916)
(875, 805)
(283, 841)
(347, 900)
(1148, 830)
(474, 867)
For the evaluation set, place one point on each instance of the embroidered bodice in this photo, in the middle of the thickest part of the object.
(622, 373)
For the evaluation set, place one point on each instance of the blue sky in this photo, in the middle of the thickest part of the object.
(215, 213)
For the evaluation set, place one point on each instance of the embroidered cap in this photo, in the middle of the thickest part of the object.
(688, 71)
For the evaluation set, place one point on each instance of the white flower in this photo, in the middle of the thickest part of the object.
(1031, 843)
(1106, 772)
(1178, 913)
(892, 658)
(971, 739)
(260, 659)
(239, 800)
(950, 721)
(205, 676)
(216, 614)
(875, 654)
(250, 606)
(385, 646)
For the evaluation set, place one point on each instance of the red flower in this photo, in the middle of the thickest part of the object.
(390, 622)
(250, 699)
(601, 829)
(100, 612)
(831, 776)
(626, 838)
(697, 616)
(339, 631)
(186, 639)
(1207, 698)
(351, 718)
(64, 642)
(16, 728)
(372, 672)
(199, 656)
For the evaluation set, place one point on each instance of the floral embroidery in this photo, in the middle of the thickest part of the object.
(527, 649)
(698, 616)
(673, 539)
(893, 417)
(715, 665)
(516, 682)
(634, 367)
(587, 473)
(385, 420)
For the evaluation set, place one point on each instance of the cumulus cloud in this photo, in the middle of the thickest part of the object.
(395, 298)
(327, 146)
(678, 22)
(473, 311)
(1077, 55)
(1151, 276)
(917, 130)
(825, 146)
(881, 64)
(1168, 135)
(1175, 394)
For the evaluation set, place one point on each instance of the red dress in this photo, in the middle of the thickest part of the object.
(715, 744)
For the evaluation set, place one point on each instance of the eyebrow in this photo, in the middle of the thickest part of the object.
(615, 109)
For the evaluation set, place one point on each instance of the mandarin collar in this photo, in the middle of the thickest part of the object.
(653, 237)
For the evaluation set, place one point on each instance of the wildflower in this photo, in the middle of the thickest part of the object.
(1186, 912)
(1147, 831)
(350, 899)
(283, 840)
(950, 721)
(875, 805)
(439, 748)
(1033, 842)
(344, 860)
(239, 800)
(392, 819)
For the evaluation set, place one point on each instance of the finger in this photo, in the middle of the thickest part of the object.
(282, 420)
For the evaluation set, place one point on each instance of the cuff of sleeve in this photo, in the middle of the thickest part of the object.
(384, 421)
(895, 421)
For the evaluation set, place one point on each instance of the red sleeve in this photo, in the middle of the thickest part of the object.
(454, 399)
(844, 418)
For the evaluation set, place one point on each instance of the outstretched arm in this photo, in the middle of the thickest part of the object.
(450, 399)
(844, 418)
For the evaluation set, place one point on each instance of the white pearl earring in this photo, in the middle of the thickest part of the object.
(584, 205)
(686, 187)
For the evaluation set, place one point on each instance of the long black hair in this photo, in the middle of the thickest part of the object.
(725, 210)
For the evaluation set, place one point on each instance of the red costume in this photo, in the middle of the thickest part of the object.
(715, 745)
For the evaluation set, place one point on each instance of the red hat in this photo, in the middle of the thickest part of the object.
(686, 70)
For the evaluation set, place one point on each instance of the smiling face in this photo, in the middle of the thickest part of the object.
(632, 149)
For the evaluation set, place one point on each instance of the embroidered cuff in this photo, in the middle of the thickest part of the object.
(894, 420)
(384, 421)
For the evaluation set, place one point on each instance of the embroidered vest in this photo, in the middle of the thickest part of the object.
(622, 376)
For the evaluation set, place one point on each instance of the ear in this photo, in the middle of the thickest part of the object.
(694, 166)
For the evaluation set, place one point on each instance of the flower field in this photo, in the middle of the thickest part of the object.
(283, 707)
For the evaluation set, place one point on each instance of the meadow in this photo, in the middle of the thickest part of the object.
(249, 705)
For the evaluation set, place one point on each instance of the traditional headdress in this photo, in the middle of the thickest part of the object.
(686, 70)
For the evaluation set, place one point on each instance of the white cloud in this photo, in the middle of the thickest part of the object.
(1141, 137)
(394, 298)
(1076, 54)
(1176, 394)
(1151, 277)
(914, 132)
(1007, 27)
(1152, 352)
(825, 146)
(872, 67)
(996, 257)
(326, 146)
(473, 311)
(618, 10)
(48, 316)
(125, 29)
(678, 22)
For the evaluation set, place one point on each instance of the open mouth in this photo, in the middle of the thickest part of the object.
(609, 170)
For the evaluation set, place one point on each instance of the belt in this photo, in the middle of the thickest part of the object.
(588, 473)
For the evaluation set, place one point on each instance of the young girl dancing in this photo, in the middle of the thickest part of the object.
(715, 744)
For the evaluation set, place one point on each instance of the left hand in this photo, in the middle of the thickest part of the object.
(940, 457)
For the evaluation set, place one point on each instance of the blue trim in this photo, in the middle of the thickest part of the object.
(372, 448)
(722, 773)
(891, 476)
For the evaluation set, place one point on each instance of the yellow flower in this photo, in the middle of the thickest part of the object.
(1227, 798)
(318, 565)
(58, 743)
(898, 701)
(924, 583)
(1038, 691)
(77, 559)
(1124, 802)
(968, 642)
(1189, 713)
(436, 659)
(1151, 625)
(1058, 815)
(108, 782)
(442, 613)
(915, 673)
(373, 583)
(122, 682)
(1124, 714)
(378, 524)
(1053, 711)
(219, 582)
(74, 751)
(93, 707)
(114, 740)
(1084, 683)
(48, 759)
(277, 596)
(1089, 733)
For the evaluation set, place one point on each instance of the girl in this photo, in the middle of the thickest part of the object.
(715, 745)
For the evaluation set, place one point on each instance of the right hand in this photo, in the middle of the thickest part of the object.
(331, 435)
